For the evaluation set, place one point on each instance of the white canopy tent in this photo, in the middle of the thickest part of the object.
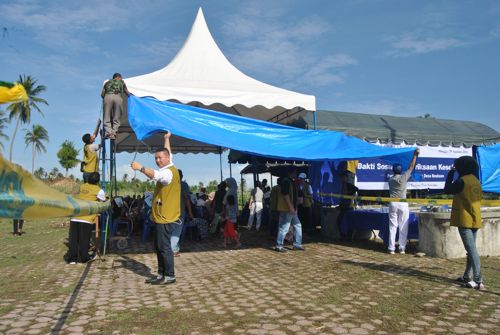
(202, 76)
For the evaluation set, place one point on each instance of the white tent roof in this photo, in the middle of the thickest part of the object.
(201, 75)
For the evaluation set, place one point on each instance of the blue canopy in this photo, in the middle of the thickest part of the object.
(488, 158)
(148, 116)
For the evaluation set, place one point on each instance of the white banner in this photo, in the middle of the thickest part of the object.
(431, 168)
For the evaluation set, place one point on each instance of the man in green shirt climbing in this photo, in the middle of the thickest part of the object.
(112, 93)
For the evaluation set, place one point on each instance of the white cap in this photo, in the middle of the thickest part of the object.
(302, 175)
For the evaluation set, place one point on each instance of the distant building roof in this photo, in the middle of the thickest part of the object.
(397, 129)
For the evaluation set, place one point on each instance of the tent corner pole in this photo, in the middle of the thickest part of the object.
(220, 163)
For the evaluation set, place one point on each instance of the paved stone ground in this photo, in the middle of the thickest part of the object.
(328, 289)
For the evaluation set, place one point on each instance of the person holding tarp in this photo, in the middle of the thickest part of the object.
(399, 213)
(80, 227)
(112, 95)
(90, 150)
(166, 210)
(466, 215)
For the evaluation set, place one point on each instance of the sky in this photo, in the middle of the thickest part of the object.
(391, 57)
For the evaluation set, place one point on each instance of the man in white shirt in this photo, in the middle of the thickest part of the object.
(399, 213)
(255, 205)
(166, 210)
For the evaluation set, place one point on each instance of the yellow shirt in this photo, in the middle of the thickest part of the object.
(88, 192)
(466, 207)
(90, 159)
(167, 199)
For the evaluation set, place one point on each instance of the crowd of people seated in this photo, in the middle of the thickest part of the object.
(210, 210)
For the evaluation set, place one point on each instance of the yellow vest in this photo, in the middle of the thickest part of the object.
(88, 192)
(274, 198)
(90, 159)
(307, 197)
(352, 166)
(167, 200)
(282, 205)
(466, 207)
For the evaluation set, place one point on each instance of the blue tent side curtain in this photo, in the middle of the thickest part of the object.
(148, 116)
(488, 158)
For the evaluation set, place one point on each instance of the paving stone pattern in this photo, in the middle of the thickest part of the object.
(328, 289)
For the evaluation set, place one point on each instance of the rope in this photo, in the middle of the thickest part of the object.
(429, 202)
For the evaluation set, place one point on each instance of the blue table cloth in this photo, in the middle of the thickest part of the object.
(375, 220)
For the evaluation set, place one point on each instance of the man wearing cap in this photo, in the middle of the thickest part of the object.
(112, 93)
(287, 207)
(399, 213)
(304, 200)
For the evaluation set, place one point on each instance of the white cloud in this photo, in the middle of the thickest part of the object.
(269, 44)
(321, 74)
(409, 45)
(440, 26)
(395, 107)
(68, 24)
(157, 52)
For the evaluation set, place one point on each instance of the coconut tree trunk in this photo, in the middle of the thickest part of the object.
(13, 138)
(32, 157)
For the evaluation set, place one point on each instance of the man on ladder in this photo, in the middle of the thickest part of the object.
(112, 94)
(90, 153)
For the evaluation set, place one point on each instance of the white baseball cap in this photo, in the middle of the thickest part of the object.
(302, 175)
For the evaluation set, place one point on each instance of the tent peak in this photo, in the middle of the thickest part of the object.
(201, 72)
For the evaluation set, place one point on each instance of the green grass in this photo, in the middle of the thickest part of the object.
(23, 260)
(156, 320)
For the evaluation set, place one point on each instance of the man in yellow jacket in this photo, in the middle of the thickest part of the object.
(166, 210)
(466, 215)
(80, 227)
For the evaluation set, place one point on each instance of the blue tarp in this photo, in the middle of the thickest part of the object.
(148, 116)
(488, 158)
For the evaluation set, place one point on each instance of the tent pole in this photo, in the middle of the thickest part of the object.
(230, 170)
(314, 114)
(220, 162)
(241, 186)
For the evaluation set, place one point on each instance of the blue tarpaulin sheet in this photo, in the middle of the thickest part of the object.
(488, 158)
(148, 116)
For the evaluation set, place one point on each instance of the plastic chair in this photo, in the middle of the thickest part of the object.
(120, 222)
(191, 225)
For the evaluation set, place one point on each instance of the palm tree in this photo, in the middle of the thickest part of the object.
(40, 173)
(3, 122)
(35, 138)
(22, 110)
(53, 173)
